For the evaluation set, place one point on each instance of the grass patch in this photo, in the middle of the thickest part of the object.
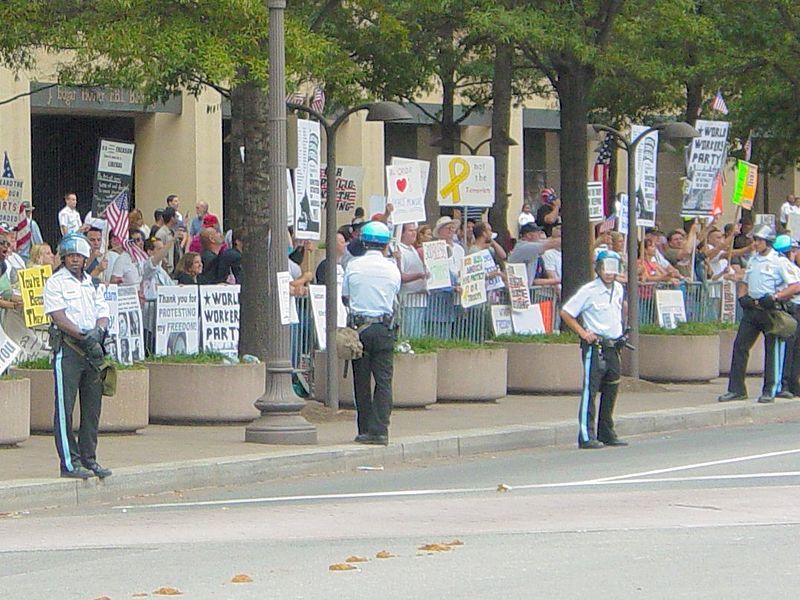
(8, 377)
(36, 363)
(201, 358)
(550, 338)
(682, 329)
(429, 344)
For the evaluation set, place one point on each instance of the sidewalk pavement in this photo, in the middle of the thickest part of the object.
(163, 458)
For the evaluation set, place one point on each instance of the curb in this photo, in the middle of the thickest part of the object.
(128, 481)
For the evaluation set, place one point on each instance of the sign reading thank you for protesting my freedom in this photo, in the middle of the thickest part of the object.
(219, 313)
(114, 173)
(177, 320)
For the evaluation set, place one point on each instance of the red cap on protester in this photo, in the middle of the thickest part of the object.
(210, 220)
(377, 217)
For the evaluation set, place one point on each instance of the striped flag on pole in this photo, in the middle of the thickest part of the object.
(318, 100)
(296, 98)
(601, 168)
(117, 215)
(718, 104)
(748, 147)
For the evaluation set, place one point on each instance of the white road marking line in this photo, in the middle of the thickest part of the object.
(454, 491)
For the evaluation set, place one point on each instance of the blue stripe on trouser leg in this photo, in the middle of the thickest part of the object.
(61, 413)
(779, 355)
(583, 414)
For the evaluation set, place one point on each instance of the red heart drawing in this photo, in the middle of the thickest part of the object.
(402, 184)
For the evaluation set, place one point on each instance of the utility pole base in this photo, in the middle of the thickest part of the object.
(281, 429)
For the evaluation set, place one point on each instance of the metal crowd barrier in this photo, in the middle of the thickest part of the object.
(440, 315)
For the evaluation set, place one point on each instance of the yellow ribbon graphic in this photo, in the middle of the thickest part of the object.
(456, 178)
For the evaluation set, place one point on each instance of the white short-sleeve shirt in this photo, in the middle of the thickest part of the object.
(599, 307)
(70, 219)
(372, 283)
(82, 303)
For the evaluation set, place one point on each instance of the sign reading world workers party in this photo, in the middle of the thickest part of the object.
(465, 180)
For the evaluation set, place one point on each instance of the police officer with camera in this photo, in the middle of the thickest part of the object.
(768, 281)
(79, 316)
(600, 306)
(370, 288)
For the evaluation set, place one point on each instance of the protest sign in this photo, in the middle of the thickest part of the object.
(473, 281)
(594, 194)
(33, 343)
(177, 320)
(793, 226)
(424, 169)
(31, 286)
(706, 159)
(219, 316)
(437, 261)
(646, 172)
(670, 308)
(465, 180)
(341, 309)
(289, 199)
(528, 321)
(622, 222)
(744, 192)
(501, 320)
(316, 294)
(489, 266)
(285, 300)
(765, 220)
(308, 188)
(349, 183)
(9, 351)
(114, 173)
(110, 294)
(404, 192)
(11, 209)
(130, 335)
(518, 292)
(376, 204)
(728, 302)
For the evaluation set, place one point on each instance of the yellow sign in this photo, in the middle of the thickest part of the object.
(465, 180)
(31, 286)
(457, 177)
(744, 192)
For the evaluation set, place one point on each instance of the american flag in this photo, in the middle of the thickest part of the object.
(318, 100)
(601, 168)
(23, 227)
(117, 215)
(296, 98)
(748, 147)
(718, 104)
(609, 224)
(137, 254)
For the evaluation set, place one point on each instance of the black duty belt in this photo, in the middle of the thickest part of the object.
(358, 320)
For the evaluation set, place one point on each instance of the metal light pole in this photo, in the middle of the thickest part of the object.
(280, 421)
(388, 112)
(671, 131)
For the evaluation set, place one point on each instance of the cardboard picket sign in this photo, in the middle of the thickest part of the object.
(465, 180)
(404, 192)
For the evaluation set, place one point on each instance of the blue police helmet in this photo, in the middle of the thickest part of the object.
(375, 233)
(782, 243)
(74, 243)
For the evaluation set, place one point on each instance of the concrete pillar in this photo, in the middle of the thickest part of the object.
(15, 125)
(181, 154)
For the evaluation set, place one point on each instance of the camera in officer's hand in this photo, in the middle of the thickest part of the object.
(746, 302)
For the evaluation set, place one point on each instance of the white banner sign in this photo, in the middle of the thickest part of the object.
(177, 320)
(670, 308)
(465, 180)
(316, 294)
(404, 192)
(646, 176)
(528, 321)
(308, 188)
(436, 257)
(287, 303)
(11, 201)
(518, 292)
(501, 320)
(473, 281)
(594, 194)
(33, 343)
(424, 169)
(219, 316)
(706, 159)
(349, 183)
(9, 351)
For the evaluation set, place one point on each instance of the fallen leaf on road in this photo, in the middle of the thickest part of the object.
(502, 487)
(435, 548)
(241, 578)
(454, 543)
(341, 567)
(167, 591)
(356, 559)
(384, 554)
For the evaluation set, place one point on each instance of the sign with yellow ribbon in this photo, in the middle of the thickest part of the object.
(465, 180)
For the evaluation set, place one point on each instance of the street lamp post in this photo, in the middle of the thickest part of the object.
(388, 112)
(671, 131)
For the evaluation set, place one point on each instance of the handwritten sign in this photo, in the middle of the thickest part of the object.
(465, 180)
(308, 188)
(594, 193)
(424, 169)
(646, 172)
(436, 257)
(287, 304)
(501, 320)
(31, 286)
(177, 320)
(473, 281)
(114, 173)
(11, 211)
(9, 351)
(706, 159)
(404, 192)
(493, 282)
(744, 192)
(349, 182)
(33, 343)
(518, 291)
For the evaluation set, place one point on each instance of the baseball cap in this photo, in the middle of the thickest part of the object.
(210, 220)
(529, 228)
(27, 205)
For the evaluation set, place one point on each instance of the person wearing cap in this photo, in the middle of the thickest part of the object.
(209, 222)
(370, 288)
(549, 213)
(531, 245)
(596, 313)
(767, 281)
(36, 233)
(79, 315)
(786, 247)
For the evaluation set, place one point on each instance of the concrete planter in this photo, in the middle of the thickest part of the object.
(678, 357)
(755, 364)
(15, 406)
(205, 393)
(125, 412)
(471, 374)
(320, 391)
(544, 368)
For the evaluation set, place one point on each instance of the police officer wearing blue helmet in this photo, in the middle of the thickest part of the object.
(370, 288)
(79, 316)
(596, 314)
(790, 380)
(768, 281)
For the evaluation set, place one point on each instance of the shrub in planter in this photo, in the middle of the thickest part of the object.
(203, 388)
(690, 352)
(466, 371)
(543, 364)
(727, 334)
(15, 406)
(125, 412)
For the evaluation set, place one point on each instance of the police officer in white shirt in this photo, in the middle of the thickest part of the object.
(790, 380)
(599, 305)
(79, 316)
(370, 288)
(768, 280)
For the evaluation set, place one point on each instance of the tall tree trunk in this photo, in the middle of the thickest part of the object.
(573, 85)
(694, 100)
(249, 116)
(450, 133)
(501, 123)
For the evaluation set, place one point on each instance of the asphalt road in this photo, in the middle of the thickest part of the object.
(702, 514)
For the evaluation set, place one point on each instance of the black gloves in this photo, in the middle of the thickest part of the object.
(92, 343)
(767, 301)
(95, 335)
(746, 302)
